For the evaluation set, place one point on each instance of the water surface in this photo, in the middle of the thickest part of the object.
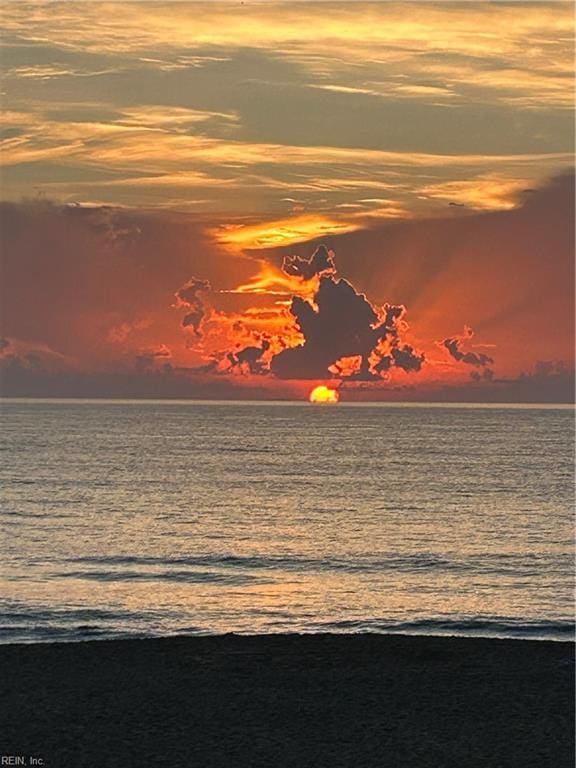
(150, 518)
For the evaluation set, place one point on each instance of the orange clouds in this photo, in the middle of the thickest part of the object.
(508, 274)
(213, 107)
(109, 316)
(330, 329)
(272, 234)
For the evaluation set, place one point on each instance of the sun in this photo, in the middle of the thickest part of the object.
(324, 394)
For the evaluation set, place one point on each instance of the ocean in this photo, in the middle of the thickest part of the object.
(142, 518)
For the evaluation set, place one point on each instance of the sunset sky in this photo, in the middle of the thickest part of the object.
(245, 200)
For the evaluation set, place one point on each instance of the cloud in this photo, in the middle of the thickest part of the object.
(321, 262)
(454, 343)
(484, 192)
(330, 330)
(492, 270)
(130, 160)
(172, 119)
(373, 29)
(96, 287)
(406, 358)
(166, 381)
(277, 232)
(249, 358)
(231, 108)
(155, 127)
(338, 322)
(189, 296)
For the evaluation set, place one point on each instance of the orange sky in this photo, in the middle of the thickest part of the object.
(161, 162)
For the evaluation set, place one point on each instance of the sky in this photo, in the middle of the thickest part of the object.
(244, 200)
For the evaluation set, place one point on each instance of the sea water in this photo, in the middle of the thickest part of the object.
(124, 518)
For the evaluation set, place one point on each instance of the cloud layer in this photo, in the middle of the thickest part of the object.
(170, 171)
(92, 294)
(371, 110)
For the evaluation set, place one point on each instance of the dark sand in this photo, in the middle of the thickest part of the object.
(340, 701)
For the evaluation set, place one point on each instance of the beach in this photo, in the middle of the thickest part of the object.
(289, 700)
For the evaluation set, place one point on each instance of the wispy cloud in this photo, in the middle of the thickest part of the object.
(486, 192)
(335, 102)
(272, 234)
(497, 50)
(148, 154)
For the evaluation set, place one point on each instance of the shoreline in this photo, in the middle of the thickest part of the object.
(121, 638)
(286, 700)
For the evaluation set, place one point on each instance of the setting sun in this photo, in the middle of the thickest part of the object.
(324, 394)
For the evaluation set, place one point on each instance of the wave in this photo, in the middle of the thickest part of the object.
(485, 563)
(33, 622)
(30, 629)
(193, 577)
(482, 626)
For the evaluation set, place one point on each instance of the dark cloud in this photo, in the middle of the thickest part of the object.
(340, 323)
(250, 357)
(479, 359)
(474, 358)
(405, 357)
(548, 381)
(485, 375)
(22, 380)
(557, 388)
(321, 262)
(188, 296)
(545, 369)
(497, 270)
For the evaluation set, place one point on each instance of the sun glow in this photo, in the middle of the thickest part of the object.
(324, 394)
